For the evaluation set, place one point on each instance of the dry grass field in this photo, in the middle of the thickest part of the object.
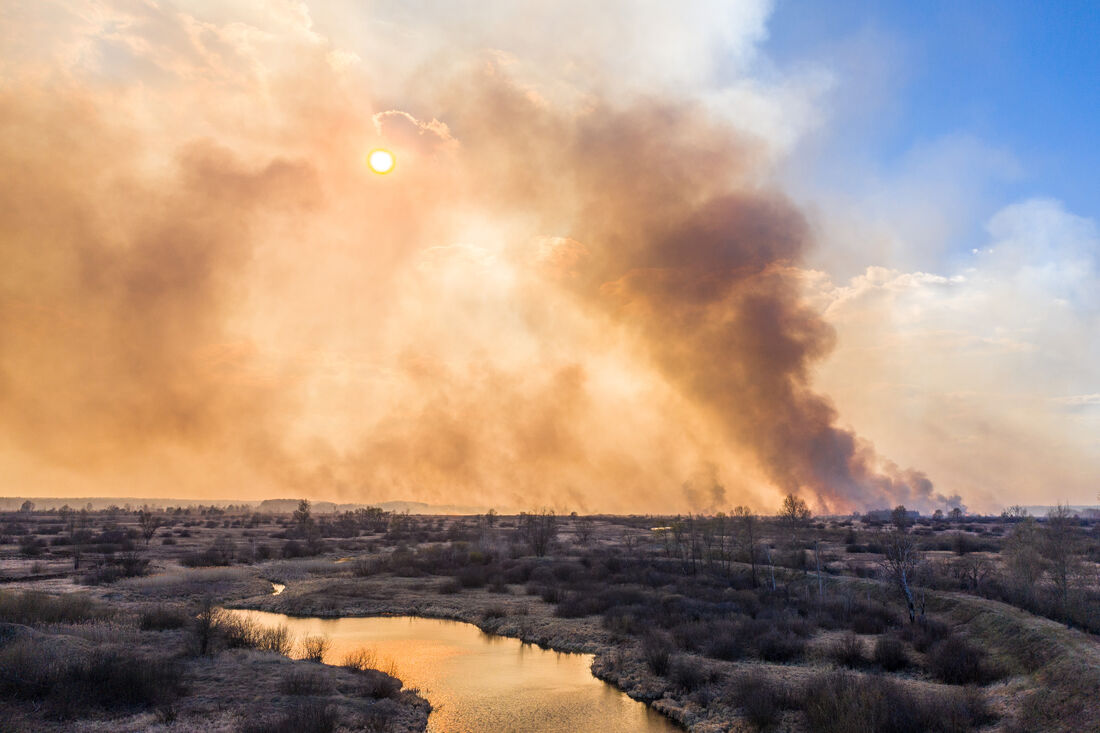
(721, 623)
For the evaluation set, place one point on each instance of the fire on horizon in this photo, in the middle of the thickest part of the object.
(638, 268)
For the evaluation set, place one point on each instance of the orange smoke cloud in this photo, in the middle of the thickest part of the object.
(584, 305)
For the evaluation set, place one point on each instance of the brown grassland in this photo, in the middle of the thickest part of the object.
(722, 623)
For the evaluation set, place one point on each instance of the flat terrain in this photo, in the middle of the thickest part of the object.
(816, 636)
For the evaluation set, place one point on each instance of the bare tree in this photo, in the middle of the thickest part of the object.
(204, 624)
(302, 516)
(77, 524)
(1023, 556)
(971, 571)
(150, 523)
(540, 529)
(900, 564)
(746, 536)
(900, 517)
(1060, 550)
(795, 512)
(583, 527)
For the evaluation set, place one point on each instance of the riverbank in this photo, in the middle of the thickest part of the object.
(617, 660)
(621, 660)
(128, 660)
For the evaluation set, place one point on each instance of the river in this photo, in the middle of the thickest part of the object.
(479, 682)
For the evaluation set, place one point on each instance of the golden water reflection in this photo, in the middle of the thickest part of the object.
(481, 683)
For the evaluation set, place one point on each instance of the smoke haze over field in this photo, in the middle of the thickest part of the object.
(581, 287)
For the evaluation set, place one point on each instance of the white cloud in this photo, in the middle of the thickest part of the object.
(965, 373)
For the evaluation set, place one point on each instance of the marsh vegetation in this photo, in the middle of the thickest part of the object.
(785, 621)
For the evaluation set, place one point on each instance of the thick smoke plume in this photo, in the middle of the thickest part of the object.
(590, 304)
(686, 254)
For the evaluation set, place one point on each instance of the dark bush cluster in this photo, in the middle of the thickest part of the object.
(657, 651)
(760, 699)
(70, 682)
(842, 702)
(890, 653)
(956, 661)
(304, 716)
(32, 607)
(220, 553)
(848, 650)
(305, 682)
(163, 617)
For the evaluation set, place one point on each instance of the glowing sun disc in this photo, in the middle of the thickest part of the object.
(380, 161)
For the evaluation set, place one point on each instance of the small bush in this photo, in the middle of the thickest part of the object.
(32, 607)
(842, 702)
(473, 576)
(449, 587)
(314, 648)
(890, 654)
(728, 641)
(376, 682)
(551, 594)
(687, 675)
(957, 662)
(848, 650)
(220, 553)
(305, 682)
(379, 685)
(306, 716)
(364, 567)
(925, 633)
(240, 632)
(71, 682)
(775, 646)
(761, 700)
(359, 660)
(872, 619)
(494, 612)
(161, 618)
(657, 652)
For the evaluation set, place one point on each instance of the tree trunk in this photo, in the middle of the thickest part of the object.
(908, 598)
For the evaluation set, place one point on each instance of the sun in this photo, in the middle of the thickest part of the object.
(381, 161)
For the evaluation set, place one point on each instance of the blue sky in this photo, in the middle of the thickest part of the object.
(1021, 78)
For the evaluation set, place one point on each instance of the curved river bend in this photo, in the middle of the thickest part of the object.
(482, 683)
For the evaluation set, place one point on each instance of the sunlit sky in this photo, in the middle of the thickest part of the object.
(631, 257)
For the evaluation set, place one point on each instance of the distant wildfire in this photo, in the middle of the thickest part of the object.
(587, 303)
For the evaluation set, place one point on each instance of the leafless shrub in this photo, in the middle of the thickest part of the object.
(890, 653)
(842, 702)
(657, 652)
(687, 675)
(761, 700)
(162, 617)
(69, 681)
(305, 682)
(379, 675)
(314, 648)
(306, 716)
(360, 659)
(241, 632)
(848, 650)
(33, 608)
(957, 662)
(494, 612)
